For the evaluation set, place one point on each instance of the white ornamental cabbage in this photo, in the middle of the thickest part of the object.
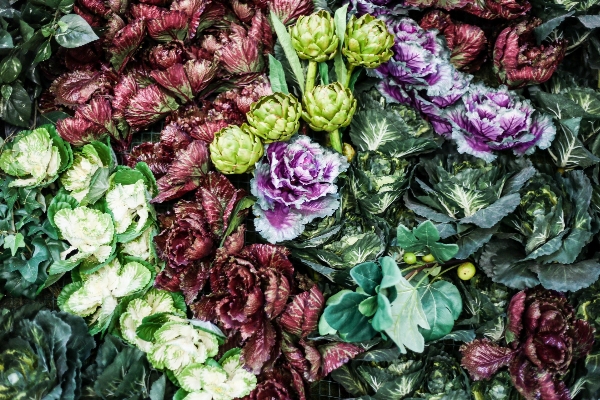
(77, 179)
(154, 302)
(178, 344)
(128, 204)
(213, 381)
(98, 295)
(33, 157)
(88, 231)
(140, 247)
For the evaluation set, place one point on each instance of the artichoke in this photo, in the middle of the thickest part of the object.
(367, 42)
(234, 151)
(274, 118)
(328, 108)
(314, 37)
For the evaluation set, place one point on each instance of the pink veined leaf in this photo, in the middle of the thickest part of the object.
(117, 6)
(516, 308)
(242, 55)
(156, 2)
(174, 80)
(213, 13)
(171, 25)
(92, 19)
(244, 11)
(301, 316)
(288, 11)
(293, 354)
(258, 349)
(218, 197)
(146, 11)
(193, 280)
(79, 131)
(583, 338)
(235, 242)
(534, 383)
(165, 55)
(77, 87)
(168, 280)
(337, 354)
(260, 31)
(95, 6)
(299, 385)
(149, 105)
(194, 10)
(99, 111)
(114, 24)
(315, 360)
(200, 73)
(125, 43)
(124, 91)
(483, 358)
(276, 292)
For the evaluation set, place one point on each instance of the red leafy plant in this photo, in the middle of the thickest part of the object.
(157, 56)
(250, 287)
(487, 9)
(193, 230)
(466, 42)
(544, 339)
(180, 160)
(518, 61)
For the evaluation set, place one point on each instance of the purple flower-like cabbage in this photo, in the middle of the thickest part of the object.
(377, 7)
(294, 183)
(488, 120)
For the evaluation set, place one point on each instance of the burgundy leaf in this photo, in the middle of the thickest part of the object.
(515, 311)
(583, 338)
(171, 25)
(193, 280)
(289, 10)
(483, 358)
(243, 54)
(337, 354)
(92, 19)
(301, 316)
(257, 350)
(79, 131)
(277, 290)
(77, 87)
(269, 256)
(165, 55)
(194, 10)
(114, 24)
(218, 197)
(124, 91)
(167, 280)
(294, 356)
(146, 11)
(95, 6)
(260, 31)
(149, 105)
(151, 154)
(235, 242)
(156, 2)
(314, 358)
(269, 390)
(205, 308)
(533, 383)
(99, 111)
(174, 79)
(125, 43)
(200, 73)
(299, 386)
(244, 11)
(117, 6)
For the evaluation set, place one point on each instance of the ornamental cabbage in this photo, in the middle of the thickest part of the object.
(153, 302)
(178, 344)
(129, 206)
(294, 183)
(35, 157)
(78, 178)
(89, 232)
(97, 295)
(141, 247)
(488, 120)
(223, 380)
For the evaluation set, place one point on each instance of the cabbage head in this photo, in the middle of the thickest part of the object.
(78, 179)
(36, 157)
(129, 206)
(97, 295)
(223, 380)
(141, 247)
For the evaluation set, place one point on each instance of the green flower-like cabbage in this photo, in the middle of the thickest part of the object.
(142, 246)
(178, 344)
(224, 380)
(36, 157)
(154, 302)
(129, 206)
(78, 178)
(90, 232)
(98, 294)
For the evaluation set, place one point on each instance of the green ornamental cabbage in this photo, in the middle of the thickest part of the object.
(153, 302)
(77, 179)
(41, 354)
(98, 294)
(129, 206)
(142, 246)
(223, 380)
(89, 232)
(36, 157)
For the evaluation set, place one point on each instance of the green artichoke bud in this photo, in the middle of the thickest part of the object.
(327, 108)
(367, 42)
(314, 38)
(274, 118)
(235, 151)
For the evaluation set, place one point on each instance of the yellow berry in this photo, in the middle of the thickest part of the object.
(466, 271)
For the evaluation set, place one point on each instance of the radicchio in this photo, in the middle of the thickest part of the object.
(544, 338)
(487, 9)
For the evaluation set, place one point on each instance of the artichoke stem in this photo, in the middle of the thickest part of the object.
(311, 75)
(349, 76)
(335, 140)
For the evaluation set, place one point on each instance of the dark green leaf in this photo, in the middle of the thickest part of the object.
(14, 242)
(324, 73)
(10, 68)
(542, 31)
(77, 33)
(500, 261)
(277, 76)
(349, 380)
(342, 314)
(442, 305)
(17, 109)
(568, 277)
(489, 216)
(6, 41)
(368, 276)
(469, 244)
(286, 43)
(44, 52)
(567, 150)
(590, 21)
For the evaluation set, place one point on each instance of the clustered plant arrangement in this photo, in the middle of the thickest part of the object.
(401, 197)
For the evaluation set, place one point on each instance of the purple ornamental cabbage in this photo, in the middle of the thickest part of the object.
(294, 183)
(376, 7)
(488, 120)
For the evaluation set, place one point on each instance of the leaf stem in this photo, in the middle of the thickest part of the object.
(311, 75)
(349, 76)
(444, 271)
(335, 140)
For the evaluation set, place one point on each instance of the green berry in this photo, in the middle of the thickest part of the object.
(466, 271)
(429, 258)
(409, 258)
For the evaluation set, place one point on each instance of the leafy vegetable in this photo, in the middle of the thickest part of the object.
(424, 239)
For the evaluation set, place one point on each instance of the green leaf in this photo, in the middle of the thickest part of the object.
(391, 273)
(349, 381)
(567, 150)
(16, 110)
(442, 305)
(277, 76)
(368, 276)
(408, 316)
(10, 68)
(542, 31)
(98, 185)
(14, 242)
(373, 129)
(343, 315)
(501, 261)
(44, 52)
(368, 307)
(157, 391)
(324, 73)
(383, 318)
(60, 201)
(6, 41)
(568, 277)
(236, 220)
(286, 43)
(426, 233)
(469, 244)
(340, 18)
(489, 216)
(590, 21)
(77, 33)
(460, 336)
